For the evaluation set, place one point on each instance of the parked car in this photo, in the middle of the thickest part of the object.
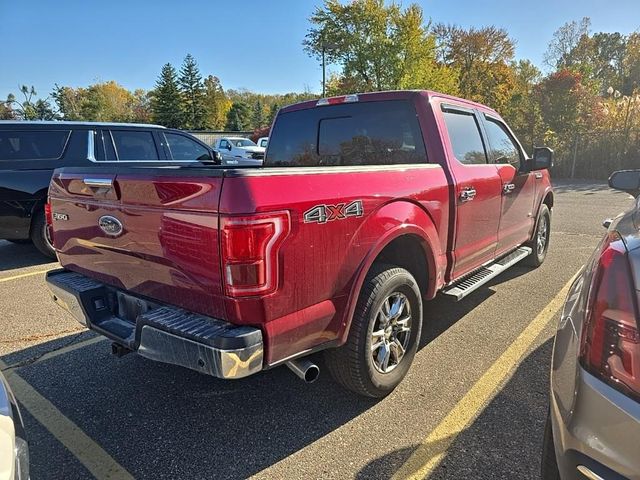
(594, 422)
(263, 142)
(239, 151)
(14, 449)
(30, 151)
(366, 206)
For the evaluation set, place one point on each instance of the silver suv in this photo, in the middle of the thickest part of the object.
(593, 430)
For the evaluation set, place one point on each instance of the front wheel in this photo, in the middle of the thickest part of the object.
(540, 242)
(384, 334)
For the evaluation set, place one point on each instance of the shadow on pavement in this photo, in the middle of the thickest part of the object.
(501, 442)
(14, 255)
(162, 421)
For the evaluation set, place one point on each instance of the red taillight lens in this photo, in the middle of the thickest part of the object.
(250, 252)
(48, 218)
(47, 214)
(610, 340)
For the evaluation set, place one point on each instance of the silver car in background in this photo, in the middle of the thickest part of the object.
(593, 430)
(14, 450)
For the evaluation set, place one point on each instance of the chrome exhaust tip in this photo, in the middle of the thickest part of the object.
(303, 368)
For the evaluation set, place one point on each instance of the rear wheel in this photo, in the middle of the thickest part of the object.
(384, 334)
(40, 235)
(540, 242)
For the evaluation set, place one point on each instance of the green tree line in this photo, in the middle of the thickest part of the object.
(181, 98)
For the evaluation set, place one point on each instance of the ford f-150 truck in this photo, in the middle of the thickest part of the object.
(366, 207)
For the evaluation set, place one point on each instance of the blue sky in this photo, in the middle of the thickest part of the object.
(254, 44)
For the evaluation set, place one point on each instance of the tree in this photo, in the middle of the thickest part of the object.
(216, 103)
(258, 119)
(562, 48)
(29, 108)
(193, 95)
(482, 60)
(107, 102)
(522, 110)
(166, 99)
(6, 112)
(68, 101)
(239, 117)
(141, 108)
(378, 47)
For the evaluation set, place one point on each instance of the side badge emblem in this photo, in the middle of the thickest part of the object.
(110, 225)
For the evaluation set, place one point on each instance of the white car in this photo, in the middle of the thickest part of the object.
(263, 142)
(14, 450)
(239, 151)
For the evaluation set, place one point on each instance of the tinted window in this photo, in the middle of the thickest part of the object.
(367, 133)
(263, 142)
(32, 145)
(503, 148)
(465, 138)
(183, 148)
(132, 145)
(223, 144)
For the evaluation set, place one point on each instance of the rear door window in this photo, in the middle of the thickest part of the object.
(131, 145)
(183, 148)
(33, 144)
(367, 133)
(503, 146)
(464, 135)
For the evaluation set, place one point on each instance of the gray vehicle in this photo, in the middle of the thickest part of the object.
(593, 430)
(14, 450)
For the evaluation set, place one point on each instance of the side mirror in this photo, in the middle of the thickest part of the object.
(229, 147)
(626, 180)
(542, 158)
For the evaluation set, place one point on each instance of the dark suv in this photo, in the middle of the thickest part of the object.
(30, 151)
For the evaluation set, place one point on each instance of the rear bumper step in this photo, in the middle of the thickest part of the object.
(475, 280)
(159, 332)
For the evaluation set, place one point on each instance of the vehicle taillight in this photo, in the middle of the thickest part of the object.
(250, 247)
(48, 218)
(610, 344)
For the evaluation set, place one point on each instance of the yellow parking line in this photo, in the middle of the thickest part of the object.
(84, 448)
(22, 275)
(432, 450)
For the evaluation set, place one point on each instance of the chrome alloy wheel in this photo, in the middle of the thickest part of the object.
(391, 332)
(543, 235)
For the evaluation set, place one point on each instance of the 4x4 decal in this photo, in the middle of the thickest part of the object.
(328, 213)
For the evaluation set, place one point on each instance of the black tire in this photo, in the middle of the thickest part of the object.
(39, 235)
(549, 468)
(543, 228)
(352, 365)
(21, 241)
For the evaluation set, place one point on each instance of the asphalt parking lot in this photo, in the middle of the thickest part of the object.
(472, 406)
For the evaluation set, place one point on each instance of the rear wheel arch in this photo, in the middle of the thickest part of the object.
(420, 240)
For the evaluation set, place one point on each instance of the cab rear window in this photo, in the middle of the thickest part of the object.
(33, 144)
(366, 133)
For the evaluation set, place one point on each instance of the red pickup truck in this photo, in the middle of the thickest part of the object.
(366, 206)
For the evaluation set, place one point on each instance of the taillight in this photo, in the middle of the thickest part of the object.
(48, 218)
(250, 247)
(610, 344)
(47, 214)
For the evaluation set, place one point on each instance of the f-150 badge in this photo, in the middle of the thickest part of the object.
(329, 213)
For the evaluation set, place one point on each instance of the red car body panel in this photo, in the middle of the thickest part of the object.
(170, 248)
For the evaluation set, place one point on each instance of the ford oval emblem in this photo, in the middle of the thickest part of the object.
(110, 225)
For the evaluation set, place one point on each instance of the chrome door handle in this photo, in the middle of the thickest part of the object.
(98, 182)
(507, 188)
(467, 194)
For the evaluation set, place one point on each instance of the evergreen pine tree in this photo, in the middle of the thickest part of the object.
(166, 101)
(239, 117)
(193, 95)
(257, 116)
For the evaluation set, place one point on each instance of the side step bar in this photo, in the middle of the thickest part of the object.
(472, 282)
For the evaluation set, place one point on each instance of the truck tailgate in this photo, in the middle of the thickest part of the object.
(153, 232)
